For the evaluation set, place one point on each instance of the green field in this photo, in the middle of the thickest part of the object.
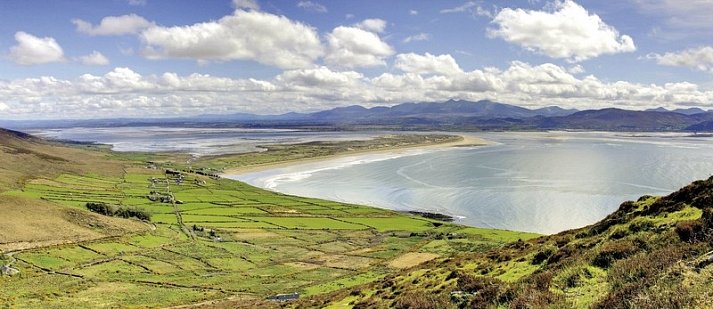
(224, 240)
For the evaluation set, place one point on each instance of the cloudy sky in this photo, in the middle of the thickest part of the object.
(157, 58)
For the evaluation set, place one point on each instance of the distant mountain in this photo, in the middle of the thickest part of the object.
(434, 111)
(449, 115)
(658, 109)
(685, 111)
(614, 119)
(689, 111)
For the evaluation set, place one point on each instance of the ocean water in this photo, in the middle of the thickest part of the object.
(542, 182)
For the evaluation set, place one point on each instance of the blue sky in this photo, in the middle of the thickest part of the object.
(151, 58)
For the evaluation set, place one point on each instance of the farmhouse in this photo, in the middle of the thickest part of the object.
(285, 297)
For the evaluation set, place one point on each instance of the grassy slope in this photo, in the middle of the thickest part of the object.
(652, 253)
(269, 243)
(27, 222)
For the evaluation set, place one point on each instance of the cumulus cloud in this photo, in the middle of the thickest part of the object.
(351, 47)
(312, 6)
(372, 24)
(413, 12)
(95, 58)
(568, 31)
(246, 4)
(245, 35)
(124, 92)
(321, 76)
(427, 64)
(113, 25)
(31, 50)
(700, 58)
(417, 37)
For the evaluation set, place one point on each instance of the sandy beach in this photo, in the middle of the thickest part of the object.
(465, 141)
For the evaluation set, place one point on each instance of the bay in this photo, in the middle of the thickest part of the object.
(542, 182)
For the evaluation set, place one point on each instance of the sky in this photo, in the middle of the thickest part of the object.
(74, 59)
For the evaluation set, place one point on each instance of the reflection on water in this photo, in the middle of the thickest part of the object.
(541, 182)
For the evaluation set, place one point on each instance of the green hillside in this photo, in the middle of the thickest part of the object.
(651, 253)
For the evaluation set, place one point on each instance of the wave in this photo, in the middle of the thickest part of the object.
(272, 179)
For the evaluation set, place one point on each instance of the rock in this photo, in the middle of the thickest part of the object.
(8, 271)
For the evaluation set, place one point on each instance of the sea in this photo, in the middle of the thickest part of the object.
(542, 182)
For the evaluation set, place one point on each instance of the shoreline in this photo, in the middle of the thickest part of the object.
(465, 141)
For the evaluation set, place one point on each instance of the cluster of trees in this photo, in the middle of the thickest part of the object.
(119, 211)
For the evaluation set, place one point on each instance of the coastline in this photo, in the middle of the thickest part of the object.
(465, 141)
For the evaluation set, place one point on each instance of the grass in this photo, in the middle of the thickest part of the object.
(396, 223)
(247, 241)
(343, 283)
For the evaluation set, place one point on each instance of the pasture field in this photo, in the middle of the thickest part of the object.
(216, 239)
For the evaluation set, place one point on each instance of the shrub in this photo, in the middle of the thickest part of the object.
(541, 256)
(534, 298)
(690, 231)
(119, 211)
(487, 290)
(642, 268)
(562, 254)
(421, 300)
(101, 208)
(472, 284)
(612, 251)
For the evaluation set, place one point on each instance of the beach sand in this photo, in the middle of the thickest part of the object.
(466, 141)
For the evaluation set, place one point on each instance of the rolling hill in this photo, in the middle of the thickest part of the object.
(651, 253)
(28, 222)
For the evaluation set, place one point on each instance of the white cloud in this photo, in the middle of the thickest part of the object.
(461, 8)
(3, 106)
(245, 35)
(373, 24)
(413, 12)
(113, 25)
(137, 2)
(95, 58)
(471, 7)
(427, 64)
(31, 50)
(417, 37)
(321, 77)
(246, 4)
(124, 92)
(700, 58)
(312, 6)
(351, 47)
(566, 32)
(576, 69)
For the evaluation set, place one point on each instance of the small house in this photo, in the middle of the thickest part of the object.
(285, 297)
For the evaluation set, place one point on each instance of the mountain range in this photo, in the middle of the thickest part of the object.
(449, 115)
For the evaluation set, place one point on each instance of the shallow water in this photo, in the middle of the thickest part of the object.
(196, 141)
(540, 182)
